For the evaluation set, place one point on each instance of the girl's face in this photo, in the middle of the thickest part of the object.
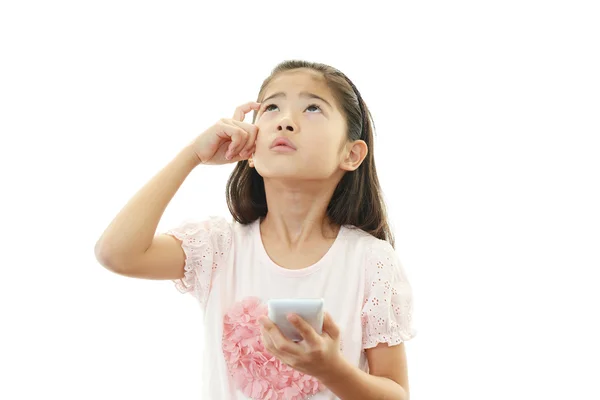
(298, 105)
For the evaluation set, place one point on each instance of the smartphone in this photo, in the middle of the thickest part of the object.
(311, 310)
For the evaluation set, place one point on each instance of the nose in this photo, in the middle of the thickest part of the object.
(286, 124)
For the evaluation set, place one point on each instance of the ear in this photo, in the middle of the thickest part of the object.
(251, 161)
(355, 153)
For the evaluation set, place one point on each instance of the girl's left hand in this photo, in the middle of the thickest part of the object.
(316, 355)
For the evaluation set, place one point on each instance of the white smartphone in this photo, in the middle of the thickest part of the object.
(311, 310)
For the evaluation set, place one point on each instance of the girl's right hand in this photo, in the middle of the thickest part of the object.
(229, 140)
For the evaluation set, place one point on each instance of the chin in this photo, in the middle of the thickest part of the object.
(283, 166)
(290, 171)
(280, 173)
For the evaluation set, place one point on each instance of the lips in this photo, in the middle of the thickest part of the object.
(283, 141)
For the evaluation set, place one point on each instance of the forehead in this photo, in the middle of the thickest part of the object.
(299, 80)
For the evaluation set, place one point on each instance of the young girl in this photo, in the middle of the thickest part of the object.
(309, 223)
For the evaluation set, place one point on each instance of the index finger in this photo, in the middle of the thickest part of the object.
(281, 343)
(305, 329)
(244, 109)
(330, 327)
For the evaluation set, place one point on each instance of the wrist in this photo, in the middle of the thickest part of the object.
(189, 156)
(340, 371)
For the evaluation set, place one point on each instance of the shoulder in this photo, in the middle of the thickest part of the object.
(244, 230)
(379, 261)
(212, 224)
(373, 250)
(214, 231)
(206, 244)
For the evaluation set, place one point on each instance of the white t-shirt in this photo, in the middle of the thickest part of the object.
(229, 272)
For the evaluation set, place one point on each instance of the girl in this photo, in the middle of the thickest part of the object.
(309, 222)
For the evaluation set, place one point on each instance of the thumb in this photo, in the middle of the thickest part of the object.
(237, 158)
(330, 327)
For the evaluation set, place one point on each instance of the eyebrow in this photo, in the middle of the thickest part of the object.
(307, 95)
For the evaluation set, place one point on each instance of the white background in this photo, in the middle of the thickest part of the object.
(487, 115)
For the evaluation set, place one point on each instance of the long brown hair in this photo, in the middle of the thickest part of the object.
(357, 199)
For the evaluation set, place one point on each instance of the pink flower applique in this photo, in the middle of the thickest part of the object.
(255, 371)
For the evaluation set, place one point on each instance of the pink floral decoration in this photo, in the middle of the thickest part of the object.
(255, 371)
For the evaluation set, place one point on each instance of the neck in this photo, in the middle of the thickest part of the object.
(297, 211)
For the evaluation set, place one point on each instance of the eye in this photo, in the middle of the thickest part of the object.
(268, 107)
(313, 105)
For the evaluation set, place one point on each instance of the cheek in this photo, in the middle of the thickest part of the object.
(260, 137)
(326, 145)
(324, 156)
(261, 141)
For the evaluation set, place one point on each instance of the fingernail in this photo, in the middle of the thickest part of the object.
(228, 156)
(292, 318)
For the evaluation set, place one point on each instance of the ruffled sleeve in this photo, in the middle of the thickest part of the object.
(206, 245)
(388, 303)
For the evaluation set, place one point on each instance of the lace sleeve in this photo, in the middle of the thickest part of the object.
(388, 303)
(206, 245)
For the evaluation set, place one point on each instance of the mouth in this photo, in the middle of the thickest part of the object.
(282, 143)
